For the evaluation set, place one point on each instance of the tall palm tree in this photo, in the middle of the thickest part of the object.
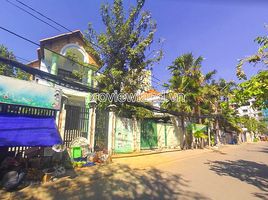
(188, 79)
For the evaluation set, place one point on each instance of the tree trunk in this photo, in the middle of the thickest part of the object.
(217, 136)
(183, 133)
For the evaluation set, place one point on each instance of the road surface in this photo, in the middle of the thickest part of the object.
(231, 172)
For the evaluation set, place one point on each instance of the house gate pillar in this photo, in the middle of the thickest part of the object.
(92, 124)
(111, 128)
(62, 118)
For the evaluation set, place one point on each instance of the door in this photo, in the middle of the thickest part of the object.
(148, 134)
(76, 123)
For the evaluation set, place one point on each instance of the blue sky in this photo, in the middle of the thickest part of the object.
(222, 31)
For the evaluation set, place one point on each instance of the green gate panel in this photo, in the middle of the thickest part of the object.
(197, 127)
(124, 142)
(148, 134)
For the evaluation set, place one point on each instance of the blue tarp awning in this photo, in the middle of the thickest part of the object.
(28, 131)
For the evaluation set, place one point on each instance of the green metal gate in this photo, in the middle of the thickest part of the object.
(101, 128)
(148, 134)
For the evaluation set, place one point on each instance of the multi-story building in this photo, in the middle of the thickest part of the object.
(69, 56)
(53, 57)
(249, 111)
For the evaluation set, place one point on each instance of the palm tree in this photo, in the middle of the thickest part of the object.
(188, 79)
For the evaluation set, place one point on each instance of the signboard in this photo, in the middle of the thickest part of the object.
(198, 128)
(19, 92)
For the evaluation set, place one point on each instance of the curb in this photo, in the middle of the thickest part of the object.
(118, 156)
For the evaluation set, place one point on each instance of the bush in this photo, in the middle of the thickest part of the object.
(256, 140)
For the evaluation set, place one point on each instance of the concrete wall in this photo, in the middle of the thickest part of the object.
(173, 137)
(161, 135)
(124, 135)
(167, 136)
(128, 134)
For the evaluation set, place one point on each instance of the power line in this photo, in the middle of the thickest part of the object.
(49, 77)
(28, 40)
(78, 86)
(156, 78)
(33, 15)
(157, 83)
(18, 57)
(57, 23)
(48, 18)
(24, 38)
(32, 42)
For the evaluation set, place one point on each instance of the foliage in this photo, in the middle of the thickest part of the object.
(139, 112)
(124, 50)
(203, 95)
(254, 125)
(188, 79)
(200, 134)
(257, 88)
(123, 45)
(260, 58)
(229, 118)
(7, 70)
(82, 70)
(256, 140)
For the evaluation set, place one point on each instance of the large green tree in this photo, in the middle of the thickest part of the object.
(259, 59)
(124, 46)
(253, 125)
(257, 88)
(187, 79)
(8, 70)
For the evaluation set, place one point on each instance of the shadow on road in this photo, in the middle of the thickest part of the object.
(263, 196)
(250, 172)
(121, 182)
(218, 151)
(264, 150)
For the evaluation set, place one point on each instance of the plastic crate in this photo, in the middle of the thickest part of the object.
(76, 152)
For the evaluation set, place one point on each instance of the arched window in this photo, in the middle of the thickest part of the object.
(75, 51)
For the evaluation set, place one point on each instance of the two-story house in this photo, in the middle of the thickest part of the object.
(71, 57)
(53, 57)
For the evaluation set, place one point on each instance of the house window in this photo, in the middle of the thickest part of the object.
(75, 55)
(76, 52)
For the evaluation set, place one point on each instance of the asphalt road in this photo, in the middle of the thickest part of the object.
(232, 172)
